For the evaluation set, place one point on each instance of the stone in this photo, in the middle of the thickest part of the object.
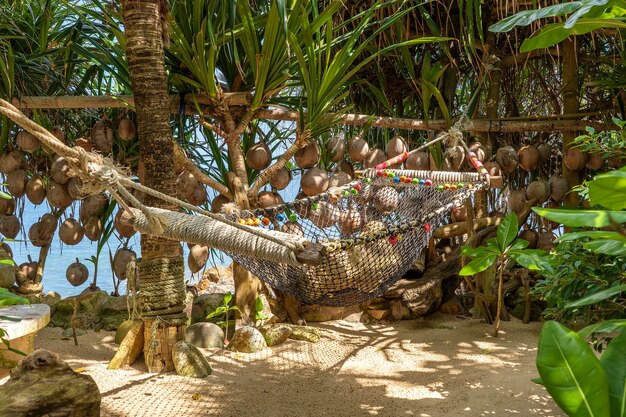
(452, 307)
(7, 275)
(95, 310)
(316, 313)
(130, 347)
(306, 333)
(189, 361)
(205, 335)
(275, 334)
(122, 330)
(248, 340)
(52, 298)
(43, 385)
(70, 333)
(379, 314)
(355, 317)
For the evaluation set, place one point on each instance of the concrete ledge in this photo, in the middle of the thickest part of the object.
(21, 333)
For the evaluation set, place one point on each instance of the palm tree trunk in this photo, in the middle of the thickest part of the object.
(162, 263)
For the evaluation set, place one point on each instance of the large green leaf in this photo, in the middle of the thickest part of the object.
(591, 234)
(607, 326)
(609, 190)
(7, 298)
(598, 296)
(527, 17)
(607, 247)
(533, 259)
(614, 361)
(507, 231)
(479, 264)
(582, 218)
(555, 33)
(571, 373)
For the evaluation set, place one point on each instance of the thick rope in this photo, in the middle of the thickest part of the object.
(161, 289)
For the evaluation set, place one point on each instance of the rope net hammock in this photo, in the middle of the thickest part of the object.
(341, 247)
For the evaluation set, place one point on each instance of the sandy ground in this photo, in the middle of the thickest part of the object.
(440, 366)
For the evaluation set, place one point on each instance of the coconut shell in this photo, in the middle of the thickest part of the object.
(546, 241)
(27, 141)
(75, 188)
(456, 156)
(60, 171)
(58, 133)
(517, 200)
(198, 256)
(314, 181)
(9, 226)
(37, 237)
(7, 249)
(11, 161)
(338, 179)
(267, 199)
(77, 273)
(199, 195)
(93, 228)
(350, 222)
(121, 260)
(126, 130)
(575, 159)
(616, 161)
(374, 157)
(71, 232)
(396, 146)
(92, 206)
(347, 167)
(507, 158)
(7, 206)
(35, 190)
(529, 158)
(325, 215)
(186, 184)
(84, 143)
(308, 156)
(27, 271)
(539, 191)
(336, 148)
(57, 195)
(16, 182)
(358, 148)
(102, 136)
(459, 214)
(529, 236)
(559, 187)
(418, 161)
(259, 156)
(386, 200)
(480, 151)
(493, 168)
(292, 228)
(123, 225)
(48, 225)
(218, 202)
(595, 162)
(281, 179)
(545, 152)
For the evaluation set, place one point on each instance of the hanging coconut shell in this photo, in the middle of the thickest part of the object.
(92, 206)
(529, 158)
(347, 167)
(259, 156)
(616, 161)
(325, 215)
(75, 188)
(218, 202)
(546, 241)
(308, 156)
(57, 195)
(38, 235)
(530, 236)
(27, 141)
(7, 206)
(35, 190)
(199, 195)
(456, 156)
(480, 151)
(396, 146)
(358, 148)
(517, 200)
(493, 168)
(374, 157)
(314, 181)
(545, 152)
(58, 133)
(11, 161)
(418, 161)
(386, 200)
(445, 165)
(122, 258)
(539, 191)
(550, 225)
(350, 222)
(48, 224)
(77, 273)
(60, 171)
(7, 249)
(198, 256)
(123, 224)
(336, 148)
(507, 158)
(186, 184)
(27, 271)
(338, 179)
(559, 187)
(16, 182)
(595, 162)
(267, 199)
(292, 228)
(281, 179)
(459, 214)
(71, 232)
(93, 228)
(575, 159)
(126, 130)
(9, 226)
(84, 143)
(102, 136)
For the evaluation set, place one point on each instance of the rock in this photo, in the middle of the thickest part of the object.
(114, 311)
(189, 361)
(379, 314)
(122, 330)
(43, 385)
(130, 347)
(215, 274)
(355, 317)
(95, 310)
(453, 307)
(7, 275)
(52, 298)
(248, 340)
(308, 334)
(275, 334)
(316, 313)
(205, 335)
(70, 333)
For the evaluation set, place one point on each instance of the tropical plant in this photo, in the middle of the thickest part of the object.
(224, 312)
(503, 246)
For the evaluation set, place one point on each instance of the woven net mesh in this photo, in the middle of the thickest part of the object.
(372, 231)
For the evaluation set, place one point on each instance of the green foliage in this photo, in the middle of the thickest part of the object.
(606, 142)
(224, 311)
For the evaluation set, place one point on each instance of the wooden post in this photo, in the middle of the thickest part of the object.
(570, 104)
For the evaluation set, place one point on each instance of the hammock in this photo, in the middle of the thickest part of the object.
(342, 247)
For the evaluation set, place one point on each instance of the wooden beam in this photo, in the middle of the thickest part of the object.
(460, 228)
(242, 99)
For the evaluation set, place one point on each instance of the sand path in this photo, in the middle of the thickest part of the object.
(440, 366)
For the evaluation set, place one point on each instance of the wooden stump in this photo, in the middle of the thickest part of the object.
(159, 339)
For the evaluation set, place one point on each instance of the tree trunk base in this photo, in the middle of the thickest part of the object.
(159, 340)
